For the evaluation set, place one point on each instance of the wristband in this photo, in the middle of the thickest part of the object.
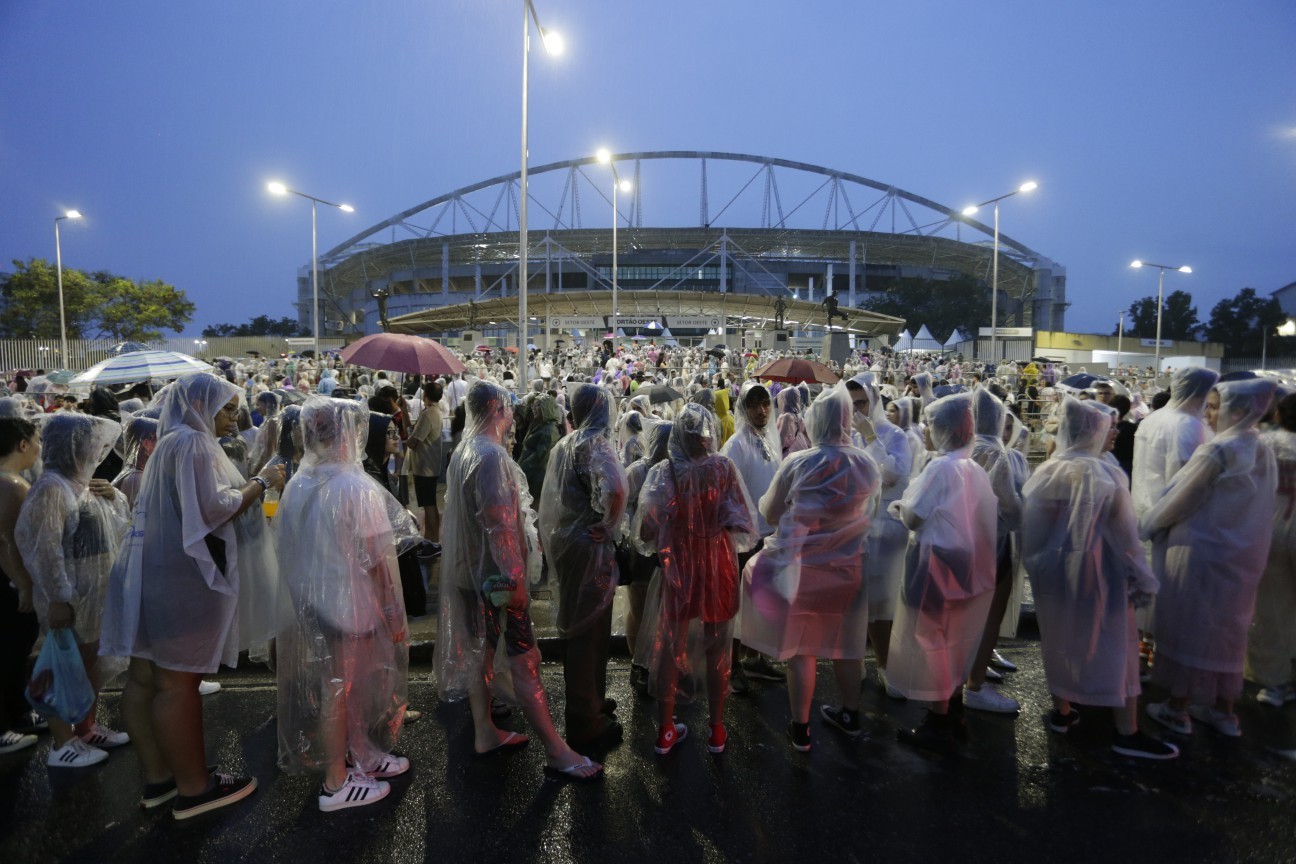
(263, 483)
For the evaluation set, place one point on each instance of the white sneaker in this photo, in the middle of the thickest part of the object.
(999, 661)
(989, 699)
(1223, 722)
(75, 754)
(1176, 721)
(11, 742)
(392, 765)
(101, 736)
(1276, 696)
(886, 685)
(206, 688)
(358, 791)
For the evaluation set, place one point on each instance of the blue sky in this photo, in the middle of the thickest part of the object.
(1157, 130)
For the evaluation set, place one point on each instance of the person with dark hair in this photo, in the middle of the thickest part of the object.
(20, 448)
(490, 556)
(68, 532)
(1271, 645)
(580, 523)
(289, 448)
(424, 444)
(381, 443)
(1123, 449)
(102, 403)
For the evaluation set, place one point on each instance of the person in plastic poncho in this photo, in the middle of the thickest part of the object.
(267, 437)
(694, 514)
(805, 594)
(1271, 645)
(949, 575)
(791, 425)
(580, 523)
(490, 555)
(990, 453)
(343, 662)
(542, 434)
(756, 451)
(68, 532)
(195, 580)
(889, 448)
(140, 438)
(1081, 549)
(1215, 523)
(637, 575)
(723, 415)
(901, 414)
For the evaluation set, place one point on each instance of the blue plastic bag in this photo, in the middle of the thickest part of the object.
(59, 686)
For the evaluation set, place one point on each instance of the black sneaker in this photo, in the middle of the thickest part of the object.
(760, 667)
(1063, 723)
(157, 794)
(225, 790)
(1140, 745)
(846, 721)
(738, 682)
(935, 734)
(799, 735)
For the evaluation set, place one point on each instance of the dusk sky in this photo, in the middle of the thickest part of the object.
(1162, 129)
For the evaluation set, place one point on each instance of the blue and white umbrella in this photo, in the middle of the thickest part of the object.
(141, 366)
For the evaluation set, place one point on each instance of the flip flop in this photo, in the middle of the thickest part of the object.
(412, 716)
(513, 741)
(569, 773)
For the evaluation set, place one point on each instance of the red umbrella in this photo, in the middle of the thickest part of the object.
(485, 349)
(510, 349)
(793, 371)
(397, 352)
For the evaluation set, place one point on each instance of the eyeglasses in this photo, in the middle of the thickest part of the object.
(393, 434)
(228, 410)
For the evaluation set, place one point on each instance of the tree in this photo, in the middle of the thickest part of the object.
(261, 325)
(961, 303)
(1239, 324)
(101, 304)
(1178, 318)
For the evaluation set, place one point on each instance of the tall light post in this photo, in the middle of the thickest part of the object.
(553, 44)
(1028, 186)
(1120, 337)
(58, 266)
(278, 188)
(605, 157)
(1156, 367)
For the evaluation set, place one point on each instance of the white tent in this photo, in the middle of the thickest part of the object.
(956, 341)
(668, 337)
(925, 341)
(904, 342)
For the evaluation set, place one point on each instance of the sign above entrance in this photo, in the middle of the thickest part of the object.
(694, 322)
(576, 322)
(638, 321)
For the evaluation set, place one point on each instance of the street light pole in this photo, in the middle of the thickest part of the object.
(553, 45)
(280, 189)
(1156, 368)
(1120, 337)
(623, 185)
(58, 266)
(1028, 186)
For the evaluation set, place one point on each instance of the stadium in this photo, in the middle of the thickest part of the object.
(710, 247)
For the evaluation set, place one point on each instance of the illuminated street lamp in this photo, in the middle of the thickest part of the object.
(1156, 367)
(554, 45)
(1028, 186)
(58, 266)
(1287, 328)
(625, 186)
(277, 188)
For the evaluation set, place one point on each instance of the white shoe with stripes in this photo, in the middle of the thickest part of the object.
(103, 737)
(358, 790)
(75, 753)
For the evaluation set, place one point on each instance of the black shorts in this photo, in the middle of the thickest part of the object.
(425, 490)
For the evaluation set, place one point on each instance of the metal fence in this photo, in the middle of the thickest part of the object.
(84, 353)
(1241, 364)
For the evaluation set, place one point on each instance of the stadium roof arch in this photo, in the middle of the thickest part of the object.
(755, 209)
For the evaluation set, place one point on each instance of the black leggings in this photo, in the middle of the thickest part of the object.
(18, 631)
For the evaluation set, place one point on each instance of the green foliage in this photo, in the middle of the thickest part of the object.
(98, 305)
(261, 325)
(1178, 318)
(1239, 323)
(962, 303)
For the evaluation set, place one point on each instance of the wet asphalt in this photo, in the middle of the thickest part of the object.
(1016, 793)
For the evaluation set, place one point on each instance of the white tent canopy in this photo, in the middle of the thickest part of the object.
(925, 341)
(904, 342)
(955, 340)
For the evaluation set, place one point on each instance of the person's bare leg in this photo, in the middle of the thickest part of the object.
(1126, 716)
(800, 685)
(333, 735)
(486, 735)
(880, 636)
(848, 673)
(432, 522)
(634, 614)
(90, 660)
(719, 667)
(137, 717)
(178, 728)
(998, 606)
(535, 708)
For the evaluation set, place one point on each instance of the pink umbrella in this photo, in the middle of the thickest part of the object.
(397, 352)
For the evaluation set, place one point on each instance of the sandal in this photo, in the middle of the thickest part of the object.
(571, 771)
(512, 741)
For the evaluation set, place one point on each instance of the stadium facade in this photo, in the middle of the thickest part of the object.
(731, 239)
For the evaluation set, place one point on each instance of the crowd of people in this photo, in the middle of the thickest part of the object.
(757, 525)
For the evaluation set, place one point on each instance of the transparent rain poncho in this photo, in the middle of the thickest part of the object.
(630, 435)
(139, 437)
(267, 438)
(1167, 438)
(489, 546)
(67, 536)
(1215, 524)
(888, 536)
(1271, 644)
(543, 432)
(1081, 550)
(990, 453)
(908, 408)
(694, 514)
(193, 583)
(790, 422)
(756, 452)
(805, 593)
(950, 564)
(344, 659)
(643, 566)
(923, 381)
(585, 487)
